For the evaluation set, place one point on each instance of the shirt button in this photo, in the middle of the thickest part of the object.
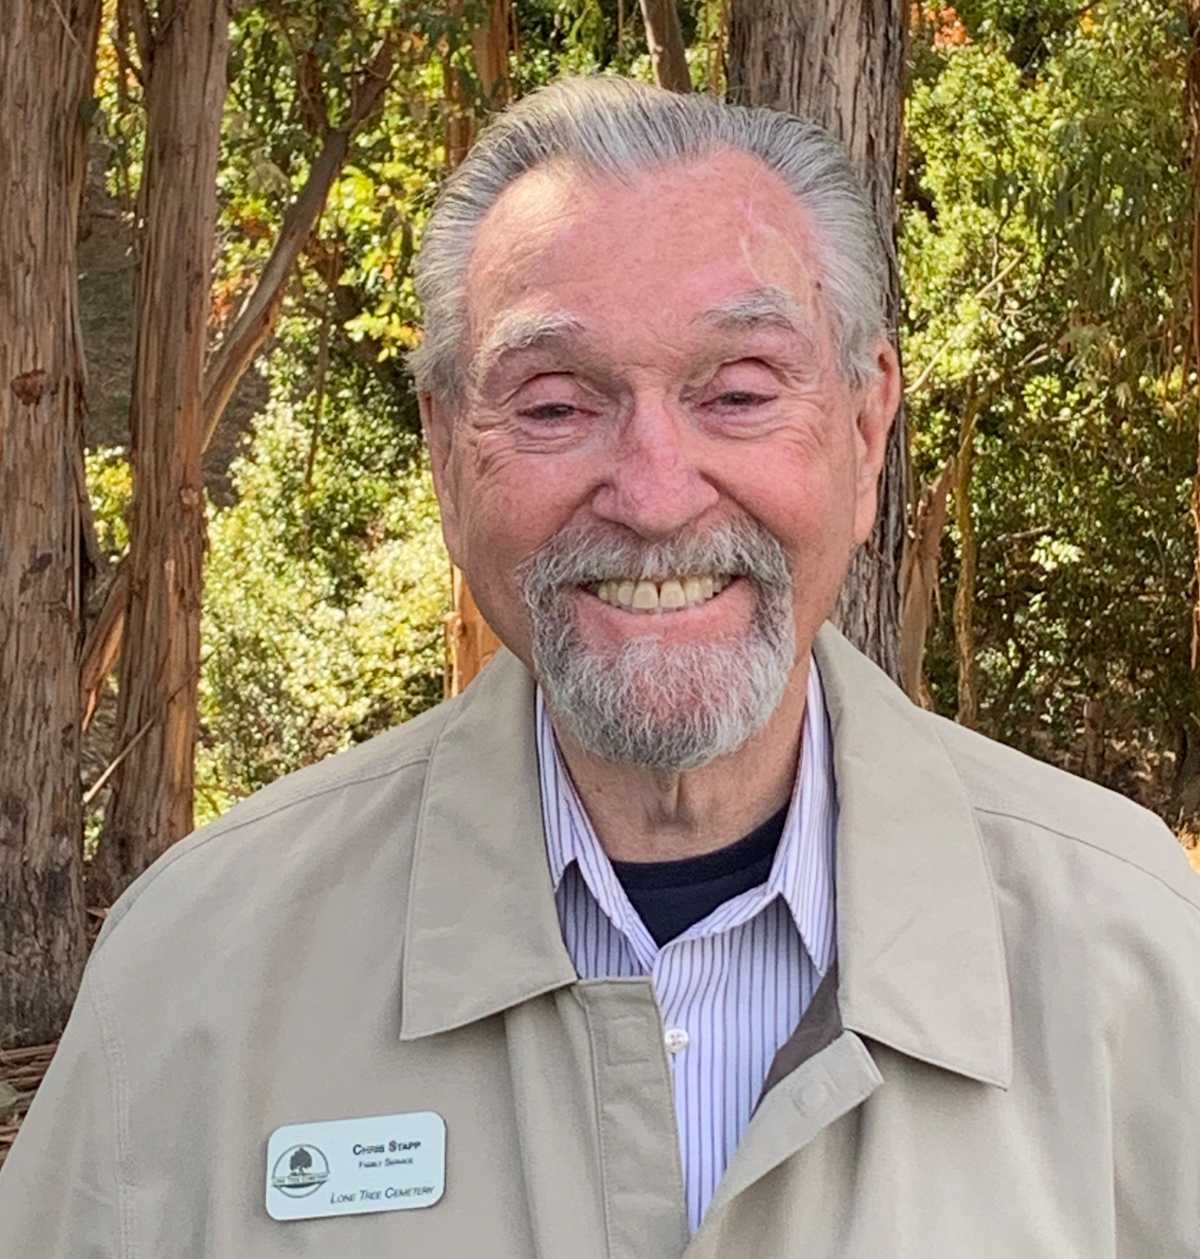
(676, 1040)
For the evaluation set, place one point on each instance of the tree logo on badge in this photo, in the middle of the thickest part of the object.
(299, 1171)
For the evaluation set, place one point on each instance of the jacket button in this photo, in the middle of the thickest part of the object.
(676, 1040)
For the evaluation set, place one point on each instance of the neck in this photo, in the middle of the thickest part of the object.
(642, 814)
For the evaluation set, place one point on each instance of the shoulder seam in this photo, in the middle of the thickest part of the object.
(1087, 843)
(171, 858)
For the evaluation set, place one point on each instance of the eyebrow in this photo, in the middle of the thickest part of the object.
(520, 331)
(769, 307)
(523, 331)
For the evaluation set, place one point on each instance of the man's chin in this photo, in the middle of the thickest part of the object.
(666, 707)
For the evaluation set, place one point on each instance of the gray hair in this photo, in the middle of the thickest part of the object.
(619, 129)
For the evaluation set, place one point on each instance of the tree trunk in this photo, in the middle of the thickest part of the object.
(1192, 107)
(470, 640)
(919, 580)
(158, 675)
(47, 64)
(840, 62)
(1092, 758)
(490, 45)
(964, 593)
(245, 336)
(664, 38)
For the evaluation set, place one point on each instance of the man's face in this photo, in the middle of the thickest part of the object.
(654, 416)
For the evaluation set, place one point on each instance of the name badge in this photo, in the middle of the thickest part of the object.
(355, 1166)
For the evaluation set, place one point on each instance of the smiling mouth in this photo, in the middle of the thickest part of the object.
(674, 594)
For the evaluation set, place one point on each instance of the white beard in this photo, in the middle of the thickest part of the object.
(649, 703)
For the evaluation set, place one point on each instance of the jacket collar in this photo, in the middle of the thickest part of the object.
(481, 930)
(921, 959)
(920, 955)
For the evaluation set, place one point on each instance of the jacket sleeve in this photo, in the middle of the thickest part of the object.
(59, 1186)
(1156, 1100)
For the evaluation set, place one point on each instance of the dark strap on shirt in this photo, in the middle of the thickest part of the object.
(671, 896)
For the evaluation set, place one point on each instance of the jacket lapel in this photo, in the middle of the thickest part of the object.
(482, 931)
(921, 958)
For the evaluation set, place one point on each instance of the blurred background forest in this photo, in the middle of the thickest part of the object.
(1045, 207)
(1045, 234)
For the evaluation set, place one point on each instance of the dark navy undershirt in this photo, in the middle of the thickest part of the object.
(671, 896)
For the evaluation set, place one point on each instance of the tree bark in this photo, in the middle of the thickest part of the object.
(490, 45)
(1192, 108)
(968, 561)
(243, 339)
(1092, 761)
(151, 804)
(840, 62)
(47, 65)
(664, 38)
(470, 640)
(919, 580)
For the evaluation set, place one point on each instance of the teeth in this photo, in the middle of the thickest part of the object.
(645, 595)
(668, 596)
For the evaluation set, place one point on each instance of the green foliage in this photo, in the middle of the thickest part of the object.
(324, 602)
(1045, 253)
(560, 37)
(110, 487)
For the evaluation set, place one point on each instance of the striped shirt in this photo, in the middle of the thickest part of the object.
(732, 987)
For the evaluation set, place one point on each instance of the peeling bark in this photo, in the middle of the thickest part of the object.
(840, 62)
(47, 64)
(151, 804)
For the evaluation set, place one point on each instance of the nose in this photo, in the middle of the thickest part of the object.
(656, 484)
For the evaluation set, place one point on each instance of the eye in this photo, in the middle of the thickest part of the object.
(551, 398)
(741, 398)
(740, 387)
(548, 412)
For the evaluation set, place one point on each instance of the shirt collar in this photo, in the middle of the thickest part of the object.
(921, 961)
(802, 873)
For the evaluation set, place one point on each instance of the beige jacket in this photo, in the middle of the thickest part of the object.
(1011, 1066)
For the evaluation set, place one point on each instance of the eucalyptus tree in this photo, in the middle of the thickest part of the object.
(47, 64)
(1047, 272)
(841, 62)
(341, 57)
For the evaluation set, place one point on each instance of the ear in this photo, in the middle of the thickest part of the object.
(437, 423)
(877, 401)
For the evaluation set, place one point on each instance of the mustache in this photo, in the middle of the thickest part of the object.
(588, 554)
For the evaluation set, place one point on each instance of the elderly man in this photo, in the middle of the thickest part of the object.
(682, 932)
